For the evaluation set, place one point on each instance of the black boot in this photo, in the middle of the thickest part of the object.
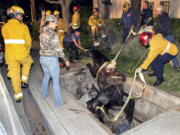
(158, 82)
(24, 85)
(18, 101)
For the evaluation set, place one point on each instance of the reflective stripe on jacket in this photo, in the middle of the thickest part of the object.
(17, 40)
(76, 19)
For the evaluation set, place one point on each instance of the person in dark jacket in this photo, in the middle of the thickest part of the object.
(164, 26)
(128, 19)
(72, 43)
(146, 15)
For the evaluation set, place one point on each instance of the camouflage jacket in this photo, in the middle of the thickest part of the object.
(50, 44)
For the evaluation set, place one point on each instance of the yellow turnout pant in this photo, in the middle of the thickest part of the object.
(14, 72)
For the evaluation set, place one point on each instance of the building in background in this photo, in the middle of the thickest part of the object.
(115, 10)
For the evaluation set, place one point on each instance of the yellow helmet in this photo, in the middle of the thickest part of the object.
(126, 5)
(15, 10)
(48, 12)
(56, 12)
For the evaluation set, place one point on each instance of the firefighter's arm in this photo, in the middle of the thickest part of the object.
(91, 21)
(28, 40)
(77, 44)
(154, 52)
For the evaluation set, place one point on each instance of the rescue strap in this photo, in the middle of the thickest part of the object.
(60, 30)
(14, 41)
(130, 93)
(115, 58)
(131, 71)
(130, 32)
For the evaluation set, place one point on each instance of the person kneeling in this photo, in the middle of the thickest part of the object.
(161, 52)
(72, 43)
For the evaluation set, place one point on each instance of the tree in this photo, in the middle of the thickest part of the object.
(33, 10)
(136, 7)
(65, 8)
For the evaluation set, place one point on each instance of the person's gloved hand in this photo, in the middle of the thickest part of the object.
(138, 70)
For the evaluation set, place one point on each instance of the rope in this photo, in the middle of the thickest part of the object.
(130, 32)
(131, 71)
(130, 93)
(115, 58)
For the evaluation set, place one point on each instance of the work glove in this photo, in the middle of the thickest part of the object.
(67, 65)
(138, 70)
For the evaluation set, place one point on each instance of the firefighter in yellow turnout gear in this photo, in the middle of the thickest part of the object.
(17, 48)
(61, 28)
(97, 26)
(75, 24)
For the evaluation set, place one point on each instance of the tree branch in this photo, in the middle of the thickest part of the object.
(53, 2)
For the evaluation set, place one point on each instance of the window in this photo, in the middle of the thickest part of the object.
(151, 5)
(166, 5)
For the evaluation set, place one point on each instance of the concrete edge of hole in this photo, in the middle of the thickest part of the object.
(153, 102)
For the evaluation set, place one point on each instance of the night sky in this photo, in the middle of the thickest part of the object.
(40, 4)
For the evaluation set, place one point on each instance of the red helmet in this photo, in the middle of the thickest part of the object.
(76, 7)
(144, 38)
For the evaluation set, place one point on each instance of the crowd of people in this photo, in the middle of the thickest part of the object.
(54, 39)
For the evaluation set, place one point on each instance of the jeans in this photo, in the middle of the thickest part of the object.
(158, 64)
(51, 70)
(175, 62)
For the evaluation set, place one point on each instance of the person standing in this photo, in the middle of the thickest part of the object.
(146, 15)
(17, 41)
(50, 51)
(164, 26)
(97, 26)
(75, 24)
(161, 52)
(127, 20)
(72, 43)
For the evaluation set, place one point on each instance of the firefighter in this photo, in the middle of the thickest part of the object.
(128, 20)
(61, 27)
(17, 41)
(75, 24)
(97, 26)
(161, 52)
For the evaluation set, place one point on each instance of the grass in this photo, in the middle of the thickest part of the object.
(131, 55)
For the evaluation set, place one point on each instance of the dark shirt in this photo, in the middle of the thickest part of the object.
(69, 38)
(128, 19)
(164, 25)
(145, 14)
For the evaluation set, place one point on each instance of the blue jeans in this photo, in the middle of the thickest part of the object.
(158, 64)
(175, 62)
(51, 70)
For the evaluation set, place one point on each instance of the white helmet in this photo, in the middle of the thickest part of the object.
(51, 18)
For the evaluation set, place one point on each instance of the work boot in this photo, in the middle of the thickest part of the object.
(18, 101)
(24, 85)
(158, 82)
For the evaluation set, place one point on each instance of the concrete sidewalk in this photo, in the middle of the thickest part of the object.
(71, 118)
(167, 123)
